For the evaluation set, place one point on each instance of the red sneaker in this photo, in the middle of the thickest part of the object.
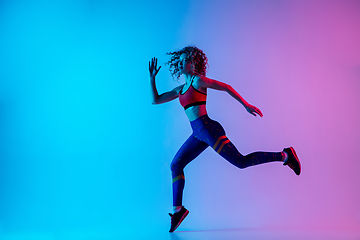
(293, 161)
(177, 218)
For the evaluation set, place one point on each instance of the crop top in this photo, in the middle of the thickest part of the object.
(192, 97)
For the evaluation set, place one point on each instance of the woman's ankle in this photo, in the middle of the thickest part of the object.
(285, 156)
(176, 209)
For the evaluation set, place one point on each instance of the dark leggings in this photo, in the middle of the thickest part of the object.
(207, 132)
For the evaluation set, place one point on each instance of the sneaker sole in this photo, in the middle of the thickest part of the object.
(296, 158)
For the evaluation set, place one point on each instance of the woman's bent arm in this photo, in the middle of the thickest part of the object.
(164, 97)
(155, 97)
(210, 83)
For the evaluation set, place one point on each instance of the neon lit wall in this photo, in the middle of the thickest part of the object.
(82, 148)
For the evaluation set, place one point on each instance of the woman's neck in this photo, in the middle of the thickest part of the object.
(188, 77)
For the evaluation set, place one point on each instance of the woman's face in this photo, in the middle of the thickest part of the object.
(184, 64)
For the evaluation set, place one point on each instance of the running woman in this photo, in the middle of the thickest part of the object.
(191, 62)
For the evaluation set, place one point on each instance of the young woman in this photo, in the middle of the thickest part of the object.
(192, 62)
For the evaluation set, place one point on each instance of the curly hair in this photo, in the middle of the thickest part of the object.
(196, 56)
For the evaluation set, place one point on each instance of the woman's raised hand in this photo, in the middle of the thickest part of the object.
(152, 67)
(253, 110)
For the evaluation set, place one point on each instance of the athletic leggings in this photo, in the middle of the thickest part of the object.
(207, 132)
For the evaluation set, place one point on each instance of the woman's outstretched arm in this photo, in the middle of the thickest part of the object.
(205, 82)
(155, 97)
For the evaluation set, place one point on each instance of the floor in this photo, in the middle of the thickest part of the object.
(232, 234)
(211, 234)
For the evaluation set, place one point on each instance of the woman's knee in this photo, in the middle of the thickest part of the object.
(176, 168)
(231, 154)
(173, 166)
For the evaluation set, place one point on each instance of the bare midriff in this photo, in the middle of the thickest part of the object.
(195, 112)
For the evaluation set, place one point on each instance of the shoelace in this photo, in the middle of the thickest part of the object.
(171, 215)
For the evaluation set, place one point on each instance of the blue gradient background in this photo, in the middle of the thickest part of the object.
(84, 154)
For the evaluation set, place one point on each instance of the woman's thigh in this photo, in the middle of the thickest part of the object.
(212, 133)
(191, 148)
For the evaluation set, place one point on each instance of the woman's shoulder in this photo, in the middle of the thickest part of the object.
(197, 79)
(178, 88)
(199, 82)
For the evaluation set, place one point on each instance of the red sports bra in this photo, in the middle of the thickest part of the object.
(192, 97)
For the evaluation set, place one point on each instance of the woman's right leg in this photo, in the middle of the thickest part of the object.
(230, 153)
(188, 152)
(214, 135)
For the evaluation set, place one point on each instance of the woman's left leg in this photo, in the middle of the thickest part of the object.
(187, 152)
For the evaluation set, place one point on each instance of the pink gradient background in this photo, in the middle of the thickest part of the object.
(299, 62)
